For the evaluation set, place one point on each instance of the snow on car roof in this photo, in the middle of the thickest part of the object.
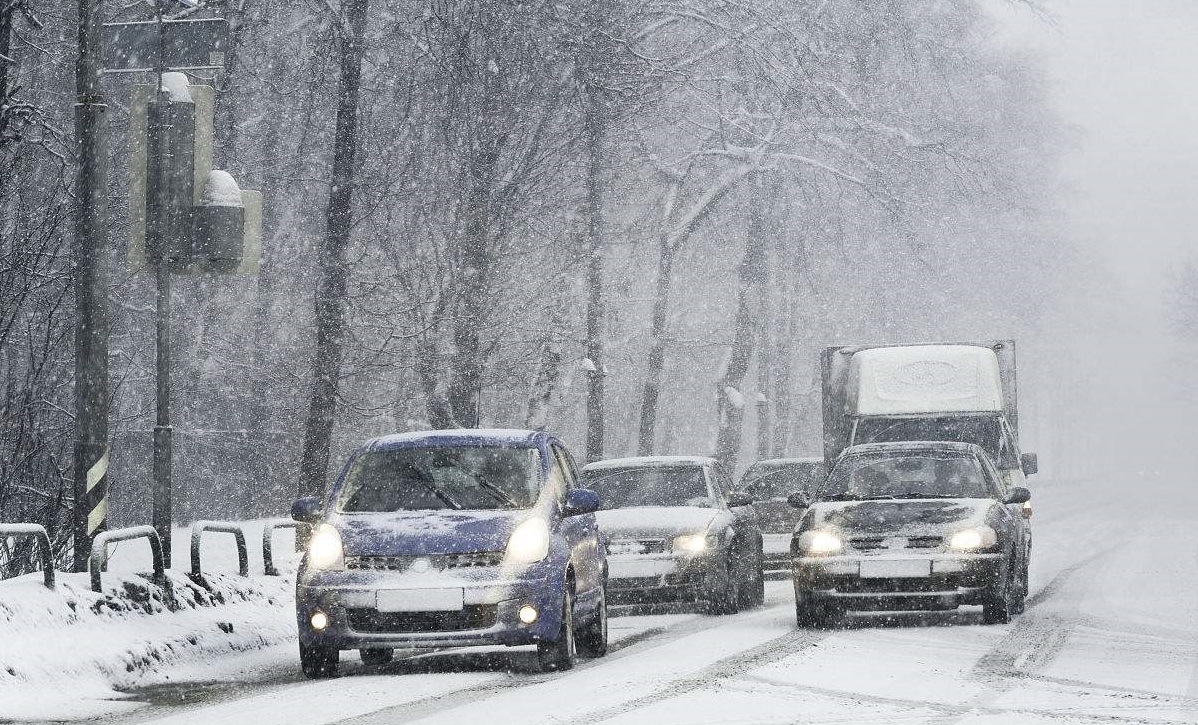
(650, 461)
(913, 447)
(458, 436)
(805, 460)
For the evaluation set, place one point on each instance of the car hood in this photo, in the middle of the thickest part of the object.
(654, 522)
(899, 517)
(426, 532)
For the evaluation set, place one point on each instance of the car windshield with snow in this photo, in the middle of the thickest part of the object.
(901, 526)
(450, 539)
(674, 532)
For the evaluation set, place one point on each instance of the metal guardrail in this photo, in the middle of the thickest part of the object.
(98, 561)
(198, 529)
(38, 532)
(268, 529)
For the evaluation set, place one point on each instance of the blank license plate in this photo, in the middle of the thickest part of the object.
(419, 600)
(895, 568)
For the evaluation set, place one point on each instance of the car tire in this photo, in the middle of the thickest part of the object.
(1019, 602)
(724, 598)
(810, 614)
(999, 599)
(753, 590)
(376, 656)
(561, 654)
(319, 662)
(592, 641)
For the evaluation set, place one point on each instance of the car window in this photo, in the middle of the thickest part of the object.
(649, 486)
(558, 481)
(474, 478)
(779, 481)
(908, 475)
(567, 464)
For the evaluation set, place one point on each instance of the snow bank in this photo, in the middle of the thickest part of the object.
(70, 652)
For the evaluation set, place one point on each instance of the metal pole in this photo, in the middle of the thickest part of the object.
(160, 230)
(91, 291)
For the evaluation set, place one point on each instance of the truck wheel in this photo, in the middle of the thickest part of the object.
(810, 614)
(592, 641)
(563, 653)
(319, 662)
(998, 601)
(376, 656)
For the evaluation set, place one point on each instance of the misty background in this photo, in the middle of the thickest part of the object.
(799, 174)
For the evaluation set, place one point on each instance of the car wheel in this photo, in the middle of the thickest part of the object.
(724, 596)
(998, 602)
(319, 662)
(1019, 602)
(592, 641)
(561, 654)
(380, 656)
(812, 614)
(752, 593)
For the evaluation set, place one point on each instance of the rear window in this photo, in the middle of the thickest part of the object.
(474, 478)
(779, 481)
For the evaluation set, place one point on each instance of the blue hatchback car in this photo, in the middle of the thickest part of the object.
(448, 539)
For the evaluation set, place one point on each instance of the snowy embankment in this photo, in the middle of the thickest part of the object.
(95, 645)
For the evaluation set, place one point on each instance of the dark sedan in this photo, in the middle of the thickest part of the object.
(900, 526)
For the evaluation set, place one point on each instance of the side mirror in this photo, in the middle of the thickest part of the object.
(306, 510)
(580, 501)
(799, 500)
(1029, 463)
(1019, 494)
(737, 499)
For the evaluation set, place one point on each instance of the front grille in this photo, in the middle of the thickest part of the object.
(636, 546)
(898, 585)
(438, 562)
(873, 543)
(472, 616)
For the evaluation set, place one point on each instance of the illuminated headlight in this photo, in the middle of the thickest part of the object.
(320, 621)
(529, 542)
(981, 537)
(527, 614)
(325, 551)
(694, 543)
(820, 543)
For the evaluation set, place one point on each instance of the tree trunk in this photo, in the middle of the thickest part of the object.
(730, 398)
(332, 288)
(657, 352)
(596, 133)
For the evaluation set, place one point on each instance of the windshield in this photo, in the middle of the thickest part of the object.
(406, 479)
(985, 431)
(779, 481)
(649, 486)
(906, 475)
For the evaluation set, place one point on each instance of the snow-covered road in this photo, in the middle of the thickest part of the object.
(1110, 636)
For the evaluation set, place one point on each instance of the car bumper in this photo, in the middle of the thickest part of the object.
(489, 614)
(776, 561)
(950, 580)
(658, 577)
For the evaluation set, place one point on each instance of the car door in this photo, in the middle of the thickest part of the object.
(1014, 515)
(581, 531)
(744, 518)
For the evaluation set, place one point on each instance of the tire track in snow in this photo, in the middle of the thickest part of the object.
(729, 667)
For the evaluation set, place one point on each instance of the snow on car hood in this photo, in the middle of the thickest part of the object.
(654, 521)
(890, 516)
(426, 532)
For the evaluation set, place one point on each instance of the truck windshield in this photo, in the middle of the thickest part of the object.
(985, 431)
(473, 478)
(906, 475)
(648, 486)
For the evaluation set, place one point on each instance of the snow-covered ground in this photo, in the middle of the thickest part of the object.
(1110, 636)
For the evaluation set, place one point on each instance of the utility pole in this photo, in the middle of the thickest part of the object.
(91, 291)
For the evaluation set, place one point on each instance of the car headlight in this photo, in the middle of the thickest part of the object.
(978, 537)
(694, 543)
(820, 543)
(529, 542)
(325, 550)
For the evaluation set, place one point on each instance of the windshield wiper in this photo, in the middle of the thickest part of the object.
(843, 497)
(918, 495)
(444, 497)
(495, 491)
